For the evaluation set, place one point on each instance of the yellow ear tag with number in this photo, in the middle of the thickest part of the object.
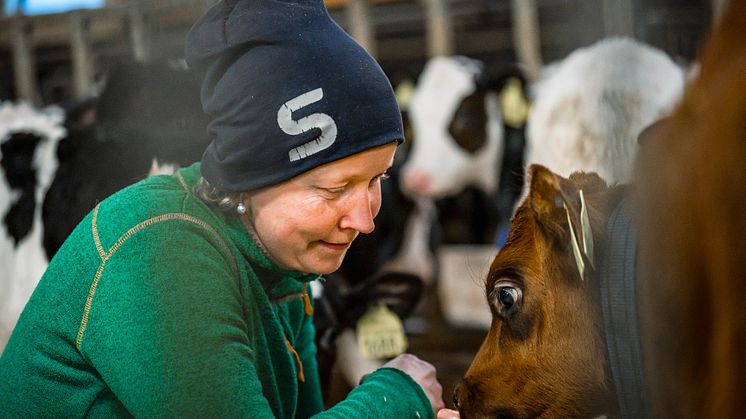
(380, 333)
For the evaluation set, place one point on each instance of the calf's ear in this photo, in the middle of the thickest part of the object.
(553, 197)
(545, 198)
(560, 207)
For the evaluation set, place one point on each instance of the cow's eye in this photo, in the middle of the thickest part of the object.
(507, 296)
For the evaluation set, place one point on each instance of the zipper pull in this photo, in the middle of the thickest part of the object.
(308, 308)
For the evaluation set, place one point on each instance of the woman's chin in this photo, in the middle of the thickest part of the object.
(326, 265)
(324, 258)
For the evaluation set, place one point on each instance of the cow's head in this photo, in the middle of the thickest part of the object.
(457, 130)
(545, 354)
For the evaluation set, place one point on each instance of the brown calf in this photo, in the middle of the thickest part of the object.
(545, 353)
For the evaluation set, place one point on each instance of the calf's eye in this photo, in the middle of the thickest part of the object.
(507, 297)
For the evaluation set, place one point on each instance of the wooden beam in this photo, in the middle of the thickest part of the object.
(619, 18)
(718, 7)
(526, 36)
(80, 54)
(361, 28)
(139, 32)
(439, 28)
(24, 70)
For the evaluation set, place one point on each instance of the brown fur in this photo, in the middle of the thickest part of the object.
(692, 242)
(546, 358)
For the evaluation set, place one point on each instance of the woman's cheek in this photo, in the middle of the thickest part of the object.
(375, 202)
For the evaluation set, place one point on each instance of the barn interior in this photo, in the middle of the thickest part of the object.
(64, 58)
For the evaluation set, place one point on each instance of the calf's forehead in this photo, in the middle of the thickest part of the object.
(529, 254)
(519, 257)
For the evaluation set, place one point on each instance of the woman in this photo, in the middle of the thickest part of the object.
(186, 295)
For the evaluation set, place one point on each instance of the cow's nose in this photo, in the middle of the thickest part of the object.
(457, 396)
(417, 181)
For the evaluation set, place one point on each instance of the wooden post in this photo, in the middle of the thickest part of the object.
(80, 51)
(526, 36)
(619, 18)
(24, 70)
(439, 32)
(718, 7)
(139, 33)
(361, 28)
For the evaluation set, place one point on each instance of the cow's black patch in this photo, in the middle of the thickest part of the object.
(145, 111)
(18, 165)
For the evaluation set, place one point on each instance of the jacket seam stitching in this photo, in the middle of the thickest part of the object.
(96, 238)
(122, 239)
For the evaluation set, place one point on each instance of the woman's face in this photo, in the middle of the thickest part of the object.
(308, 223)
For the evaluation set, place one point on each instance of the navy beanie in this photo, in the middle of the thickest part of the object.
(287, 90)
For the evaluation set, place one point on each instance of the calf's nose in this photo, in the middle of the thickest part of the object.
(457, 396)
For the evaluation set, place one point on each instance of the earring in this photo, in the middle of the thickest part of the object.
(241, 208)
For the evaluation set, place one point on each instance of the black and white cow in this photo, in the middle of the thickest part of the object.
(148, 120)
(28, 139)
(465, 153)
(586, 113)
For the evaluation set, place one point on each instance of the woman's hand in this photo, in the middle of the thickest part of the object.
(448, 414)
(424, 374)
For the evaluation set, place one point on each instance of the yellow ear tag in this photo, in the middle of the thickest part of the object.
(403, 94)
(380, 333)
(513, 105)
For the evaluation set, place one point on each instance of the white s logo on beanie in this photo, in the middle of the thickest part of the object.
(317, 120)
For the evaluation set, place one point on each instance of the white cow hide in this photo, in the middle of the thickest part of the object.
(589, 108)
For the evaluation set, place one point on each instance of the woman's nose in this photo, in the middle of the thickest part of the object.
(360, 214)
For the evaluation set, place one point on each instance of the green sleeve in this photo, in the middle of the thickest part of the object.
(166, 331)
(386, 393)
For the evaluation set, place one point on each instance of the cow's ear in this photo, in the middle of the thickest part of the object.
(588, 182)
(494, 78)
(545, 198)
(548, 196)
(560, 207)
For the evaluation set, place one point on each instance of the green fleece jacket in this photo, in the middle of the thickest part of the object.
(158, 306)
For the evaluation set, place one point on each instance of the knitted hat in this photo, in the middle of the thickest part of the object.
(287, 90)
